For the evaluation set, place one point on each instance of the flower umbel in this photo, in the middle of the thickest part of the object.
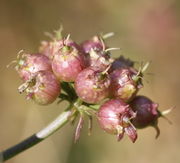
(92, 82)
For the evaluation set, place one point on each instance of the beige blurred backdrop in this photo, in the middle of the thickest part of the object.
(145, 30)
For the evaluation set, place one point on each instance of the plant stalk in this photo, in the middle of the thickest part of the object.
(59, 122)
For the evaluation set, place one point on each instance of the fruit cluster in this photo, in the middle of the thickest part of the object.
(92, 81)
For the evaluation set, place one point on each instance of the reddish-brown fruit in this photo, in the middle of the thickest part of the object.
(147, 113)
(121, 62)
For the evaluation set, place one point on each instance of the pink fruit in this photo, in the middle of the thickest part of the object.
(95, 53)
(114, 117)
(50, 48)
(123, 85)
(28, 64)
(92, 86)
(43, 88)
(100, 60)
(68, 63)
(95, 43)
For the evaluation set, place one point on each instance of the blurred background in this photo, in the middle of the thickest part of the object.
(145, 30)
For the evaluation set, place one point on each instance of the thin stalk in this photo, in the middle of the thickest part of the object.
(59, 122)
